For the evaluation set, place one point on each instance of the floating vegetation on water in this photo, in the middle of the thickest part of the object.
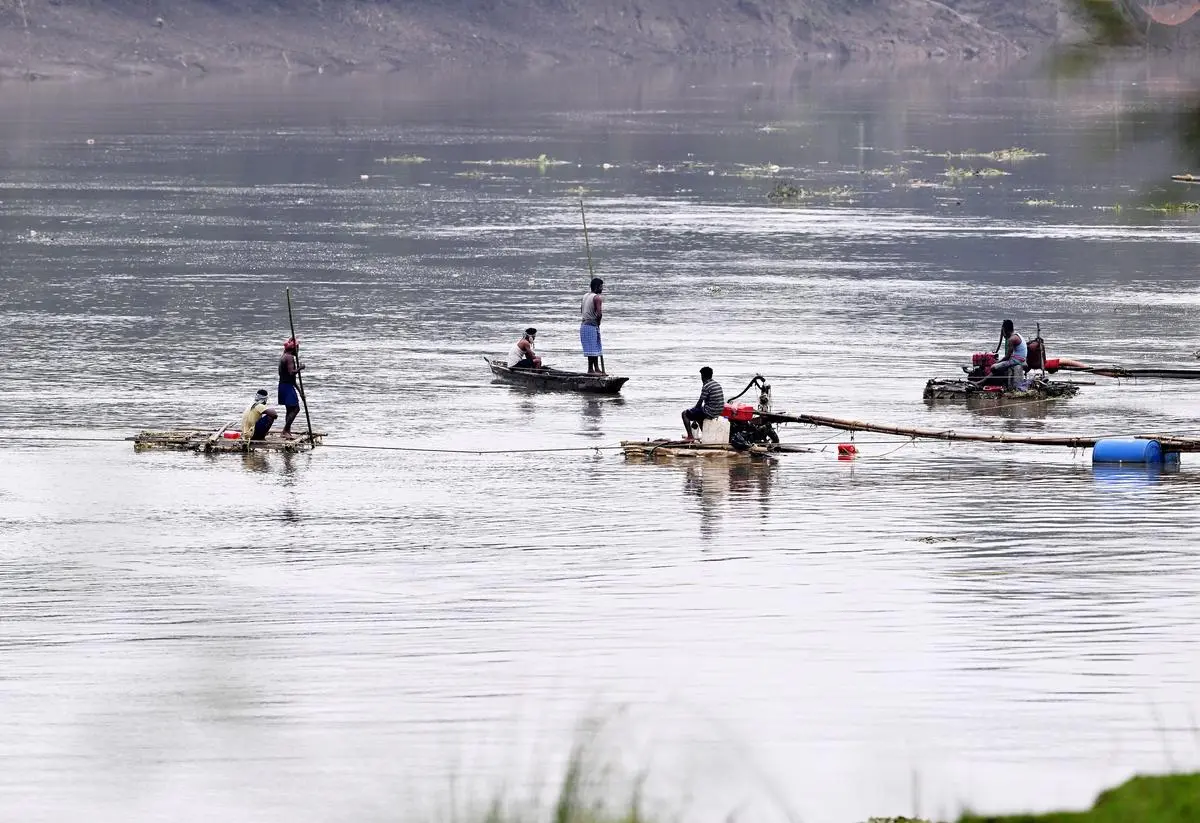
(922, 183)
(1049, 204)
(887, 171)
(956, 173)
(932, 539)
(685, 166)
(403, 158)
(1013, 155)
(1173, 208)
(789, 192)
(541, 162)
(1114, 207)
(761, 170)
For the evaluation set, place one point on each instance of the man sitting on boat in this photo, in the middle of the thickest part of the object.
(258, 419)
(708, 407)
(522, 355)
(592, 311)
(1016, 352)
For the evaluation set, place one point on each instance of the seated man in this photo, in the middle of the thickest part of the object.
(708, 407)
(522, 355)
(1016, 352)
(258, 419)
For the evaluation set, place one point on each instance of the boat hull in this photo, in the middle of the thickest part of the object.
(548, 379)
(965, 390)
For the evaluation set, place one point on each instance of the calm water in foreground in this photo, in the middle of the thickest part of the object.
(373, 635)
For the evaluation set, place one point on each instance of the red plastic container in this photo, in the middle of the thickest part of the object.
(742, 413)
(847, 451)
(232, 435)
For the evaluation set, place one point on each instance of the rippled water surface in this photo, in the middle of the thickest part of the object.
(371, 634)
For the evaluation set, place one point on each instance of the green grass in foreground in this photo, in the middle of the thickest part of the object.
(1168, 799)
(1173, 798)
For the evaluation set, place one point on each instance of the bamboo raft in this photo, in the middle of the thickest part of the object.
(210, 441)
(670, 449)
(966, 390)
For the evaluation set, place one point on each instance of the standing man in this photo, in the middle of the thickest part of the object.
(289, 396)
(258, 418)
(589, 330)
(708, 407)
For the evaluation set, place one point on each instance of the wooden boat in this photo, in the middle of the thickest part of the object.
(210, 441)
(1037, 389)
(551, 379)
(663, 449)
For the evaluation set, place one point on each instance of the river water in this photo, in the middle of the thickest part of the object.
(370, 635)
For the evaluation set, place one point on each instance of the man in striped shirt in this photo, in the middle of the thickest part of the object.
(708, 407)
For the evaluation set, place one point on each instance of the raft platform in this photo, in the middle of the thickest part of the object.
(966, 390)
(214, 441)
(671, 449)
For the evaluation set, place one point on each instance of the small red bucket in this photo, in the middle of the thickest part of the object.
(847, 451)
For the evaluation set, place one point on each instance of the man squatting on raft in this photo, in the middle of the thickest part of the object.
(258, 418)
(592, 310)
(1016, 351)
(708, 407)
(289, 370)
(522, 355)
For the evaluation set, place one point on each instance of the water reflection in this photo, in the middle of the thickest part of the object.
(256, 461)
(1121, 476)
(1011, 409)
(592, 413)
(717, 482)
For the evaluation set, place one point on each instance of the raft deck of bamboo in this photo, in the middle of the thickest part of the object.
(669, 449)
(213, 441)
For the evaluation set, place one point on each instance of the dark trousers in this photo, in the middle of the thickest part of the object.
(263, 426)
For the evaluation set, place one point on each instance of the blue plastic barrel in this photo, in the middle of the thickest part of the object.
(1127, 450)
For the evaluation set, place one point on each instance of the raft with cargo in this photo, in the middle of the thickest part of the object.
(741, 431)
(1033, 390)
(226, 440)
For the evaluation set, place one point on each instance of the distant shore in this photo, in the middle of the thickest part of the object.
(64, 39)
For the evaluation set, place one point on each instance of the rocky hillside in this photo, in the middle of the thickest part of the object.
(55, 38)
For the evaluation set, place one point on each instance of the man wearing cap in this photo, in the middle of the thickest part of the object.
(708, 407)
(522, 355)
(258, 419)
(289, 396)
(589, 329)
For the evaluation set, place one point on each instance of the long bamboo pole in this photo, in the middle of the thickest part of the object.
(299, 375)
(1169, 441)
(591, 270)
